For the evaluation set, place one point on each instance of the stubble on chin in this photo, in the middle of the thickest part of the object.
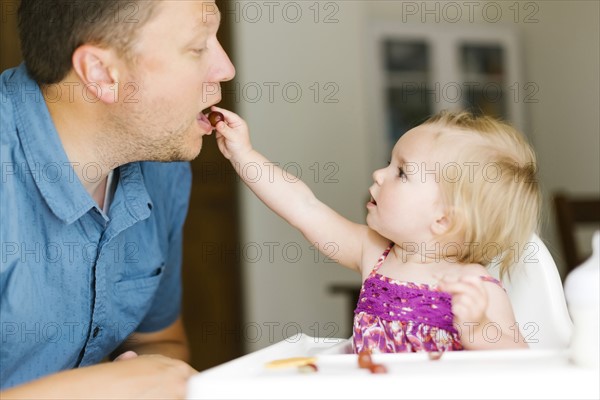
(137, 135)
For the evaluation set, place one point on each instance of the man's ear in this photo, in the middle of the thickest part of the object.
(98, 72)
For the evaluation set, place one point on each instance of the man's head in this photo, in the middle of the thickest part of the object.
(142, 71)
(51, 30)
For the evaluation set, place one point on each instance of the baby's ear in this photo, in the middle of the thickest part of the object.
(441, 224)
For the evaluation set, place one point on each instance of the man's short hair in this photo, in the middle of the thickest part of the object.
(51, 30)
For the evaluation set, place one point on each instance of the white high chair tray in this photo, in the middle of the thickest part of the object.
(522, 374)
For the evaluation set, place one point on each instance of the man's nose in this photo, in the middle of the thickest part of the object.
(224, 69)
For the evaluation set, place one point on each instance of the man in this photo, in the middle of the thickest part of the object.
(91, 223)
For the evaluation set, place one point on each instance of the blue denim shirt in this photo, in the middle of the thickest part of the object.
(74, 281)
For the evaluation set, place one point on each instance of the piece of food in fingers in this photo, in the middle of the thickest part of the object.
(435, 355)
(291, 362)
(215, 117)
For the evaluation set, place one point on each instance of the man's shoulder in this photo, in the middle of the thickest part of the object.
(8, 125)
(6, 105)
(6, 76)
(14, 84)
(11, 85)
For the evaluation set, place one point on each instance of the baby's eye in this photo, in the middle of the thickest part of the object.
(401, 173)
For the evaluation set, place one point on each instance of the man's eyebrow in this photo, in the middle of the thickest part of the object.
(203, 23)
(203, 20)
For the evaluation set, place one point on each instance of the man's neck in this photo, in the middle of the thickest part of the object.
(75, 121)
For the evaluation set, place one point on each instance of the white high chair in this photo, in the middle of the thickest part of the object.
(536, 293)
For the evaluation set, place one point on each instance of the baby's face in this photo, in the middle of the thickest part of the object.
(406, 198)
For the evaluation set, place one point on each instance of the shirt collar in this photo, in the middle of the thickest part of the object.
(48, 163)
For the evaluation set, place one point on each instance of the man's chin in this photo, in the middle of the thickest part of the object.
(188, 153)
(193, 156)
(194, 150)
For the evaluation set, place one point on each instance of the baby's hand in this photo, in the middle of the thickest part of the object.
(232, 135)
(469, 298)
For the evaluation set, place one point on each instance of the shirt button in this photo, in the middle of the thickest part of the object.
(96, 331)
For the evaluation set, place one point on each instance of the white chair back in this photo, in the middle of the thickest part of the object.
(536, 293)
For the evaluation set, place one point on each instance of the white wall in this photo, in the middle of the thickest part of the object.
(562, 58)
(306, 135)
(560, 43)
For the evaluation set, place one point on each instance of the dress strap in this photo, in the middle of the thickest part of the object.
(382, 258)
(492, 280)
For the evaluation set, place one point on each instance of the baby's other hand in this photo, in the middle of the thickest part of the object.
(232, 134)
(469, 298)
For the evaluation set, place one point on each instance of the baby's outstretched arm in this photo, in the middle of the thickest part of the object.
(335, 236)
(482, 314)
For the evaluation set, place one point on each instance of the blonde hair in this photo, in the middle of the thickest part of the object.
(493, 198)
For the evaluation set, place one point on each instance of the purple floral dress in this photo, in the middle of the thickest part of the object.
(395, 317)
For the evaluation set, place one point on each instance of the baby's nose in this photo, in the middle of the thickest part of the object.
(378, 176)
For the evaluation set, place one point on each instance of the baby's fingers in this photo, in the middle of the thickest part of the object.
(465, 285)
(232, 134)
(232, 119)
(233, 129)
(466, 308)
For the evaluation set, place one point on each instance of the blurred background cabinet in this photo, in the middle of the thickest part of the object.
(419, 70)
